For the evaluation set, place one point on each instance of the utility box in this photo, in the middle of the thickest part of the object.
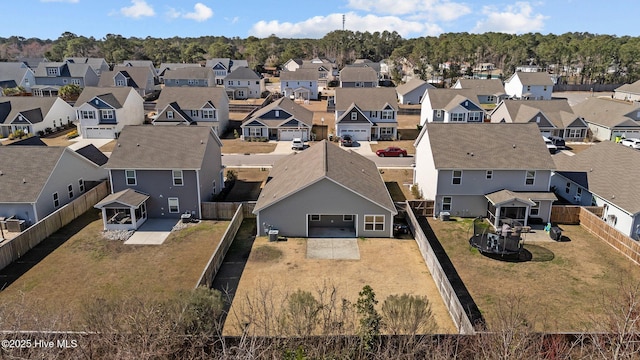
(555, 233)
(273, 235)
(445, 216)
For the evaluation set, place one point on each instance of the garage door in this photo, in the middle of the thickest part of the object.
(290, 134)
(99, 133)
(331, 225)
(356, 134)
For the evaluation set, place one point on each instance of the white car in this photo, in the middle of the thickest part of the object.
(550, 146)
(631, 142)
(297, 144)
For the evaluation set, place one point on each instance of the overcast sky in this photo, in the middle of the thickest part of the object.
(47, 19)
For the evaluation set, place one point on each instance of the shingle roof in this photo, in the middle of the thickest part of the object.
(297, 111)
(24, 183)
(173, 66)
(325, 160)
(139, 74)
(93, 154)
(503, 196)
(609, 170)
(115, 96)
(412, 85)
(558, 111)
(161, 147)
(441, 98)
(633, 88)
(192, 98)
(67, 69)
(13, 71)
(243, 73)
(189, 73)
(533, 78)
(366, 98)
(358, 73)
(10, 107)
(607, 112)
(482, 86)
(487, 146)
(299, 74)
(129, 197)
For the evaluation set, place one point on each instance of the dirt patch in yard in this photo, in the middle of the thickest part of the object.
(398, 183)
(248, 184)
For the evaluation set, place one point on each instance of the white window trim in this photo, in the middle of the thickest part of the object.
(354, 115)
(169, 114)
(489, 174)
(177, 205)
(447, 203)
(56, 200)
(374, 223)
(527, 177)
(535, 209)
(81, 185)
(127, 178)
(453, 177)
(314, 217)
(179, 178)
(70, 191)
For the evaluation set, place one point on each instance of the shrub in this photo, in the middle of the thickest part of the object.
(415, 190)
(73, 134)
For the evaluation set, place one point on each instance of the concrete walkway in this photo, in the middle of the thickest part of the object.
(80, 143)
(152, 232)
(333, 248)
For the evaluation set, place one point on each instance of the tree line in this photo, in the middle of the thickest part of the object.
(592, 58)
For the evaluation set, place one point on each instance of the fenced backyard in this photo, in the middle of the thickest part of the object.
(225, 210)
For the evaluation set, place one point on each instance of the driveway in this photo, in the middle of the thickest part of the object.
(80, 143)
(152, 232)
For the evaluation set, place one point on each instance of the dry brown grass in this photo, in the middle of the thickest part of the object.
(237, 146)
(398, 183)
(389, 266)
(562, 286)
(88, 267)
(108, 147)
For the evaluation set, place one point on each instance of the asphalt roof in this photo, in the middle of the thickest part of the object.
(191, 98)
(412, 85)
(607, 112)
(11, 106)
(297, 111)
(189, 73)
(558, 111)
(366, 98)
(358, 73)
(115, 96)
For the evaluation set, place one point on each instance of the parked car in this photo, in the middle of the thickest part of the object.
(297, 144)
(550, 146)
(633, 143)
(558, 142)
(346, 140)
(392, 151)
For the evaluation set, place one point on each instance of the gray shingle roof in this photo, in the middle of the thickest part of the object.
(366, 98)
(533, 78)
(357, 73)
(189, 73)
(68, 69)
(127, 197)
(486, 146)
(611, 170)
(299, 75)
(606, 112)
(24, 183)
(11, 106)
(558, 111)
(297, 111)
(107, 94)
(161, 147)
(325, 160)
(243, 73)
(441, 98)
(192, 98)
(13, 71)
(633, 88)
(483, 86)
(412, 85)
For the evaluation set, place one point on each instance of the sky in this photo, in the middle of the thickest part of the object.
(48, 19)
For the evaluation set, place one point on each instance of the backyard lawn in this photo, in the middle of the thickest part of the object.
(86, 267)
(561, 287)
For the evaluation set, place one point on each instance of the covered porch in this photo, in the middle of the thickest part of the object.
(505, 206)
(124, 210)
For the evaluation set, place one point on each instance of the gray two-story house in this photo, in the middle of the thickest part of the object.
(193, 106)
(161, 172)
(103, 112)
(51, 76)
(189, 77)
(366, 113)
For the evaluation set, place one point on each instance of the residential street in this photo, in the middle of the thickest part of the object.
(267, 160)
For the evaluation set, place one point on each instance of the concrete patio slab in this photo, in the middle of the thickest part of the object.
(333, 248)
(152, 232)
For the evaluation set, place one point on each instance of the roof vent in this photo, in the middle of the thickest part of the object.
(24, 181)
(137, 144)
(514, 146)
(118, 144)
(1, 173)
(201, 141)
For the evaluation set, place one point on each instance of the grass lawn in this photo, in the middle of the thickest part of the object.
(237, 146)
(87, 267)
(561, 287)
(247, 186)
(395, 179)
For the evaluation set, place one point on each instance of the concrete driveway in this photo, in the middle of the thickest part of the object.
(333, 248)
(152, 232)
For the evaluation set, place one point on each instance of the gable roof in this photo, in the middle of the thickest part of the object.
(358, 74)
(412, 85)
(34, 108)
(607, 112)
(295, 110)
(93, 154)
(189, 73)
(66, 69)
(299, 75)
(140, 75)
(13, 71)
(366, 98)
(442, 98)
(594, 169)
(243, 73)
(558, 111)
(487, 146)
(128, 197)
(192, 98)
(173, 66)
(482, 86)
(633, 88)
(532, 78)
(115, 96)
(30, 141)
(24, 183)
(96, 63)
(325, 161)
(161, 147)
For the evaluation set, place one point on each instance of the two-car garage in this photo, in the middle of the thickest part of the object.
(95, 132)
(331, 225)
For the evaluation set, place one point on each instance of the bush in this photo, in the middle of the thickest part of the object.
(415, 190)
(73, 134)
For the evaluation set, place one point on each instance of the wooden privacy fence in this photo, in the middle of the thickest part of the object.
(570, 214)
(209, 272)
(13, 249)
(598, 227)
(226, 210)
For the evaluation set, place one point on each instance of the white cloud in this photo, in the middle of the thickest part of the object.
(433, 10)
(65, 1)
(514, 19)
(200, 13)
(139, 9)
(318, 26)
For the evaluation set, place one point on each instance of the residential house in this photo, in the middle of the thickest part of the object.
(366, 113)
(190, 76)
(51, 76)
(164, 67)
(529, 86)
(224, 66)
(244, 83)
(14, 74)
(103, 112)
(609, 119)
(32, 62)
(280, 120)
(628, 92)
(292, 65)
(358, 77)
(498, 171)
(294, 199)
(193, 106)
(140, 63)
(33, 115)
(301, 84)
(141, 78)
(38, 180)
(606, 174)
(326, 71)
(376, 66)
(97, 64)
(161, 172)
(451, 106)
(411, 92)
(489, 92)
(553, 117)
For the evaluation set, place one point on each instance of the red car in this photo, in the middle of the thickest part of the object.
(392, 151)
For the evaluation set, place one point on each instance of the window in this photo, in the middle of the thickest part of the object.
(70, 190)
(81, 185)
(575, 133)
(535, 209)
(194, 113)
(56, 200)
(347, 217)
(386, 131)
(374, 222)
(213, 187)
(315, 217)
(578, 194)
(240, 93)
(52, 71)
(528, 87)
(567, 187)
(354, 116)
(475, 117)
(491, 99)
(121, 82)
(177, 178)
(457, 177)
(169, 114)
(75, 82)
(87, 114)
(64, 81)
(191, 82)
(457, 117)
(208, 114)
(489, 174)
(130, 176)
(107, 114)
(277, 113)
(255, 132)
(387, 114)
(545, 88)
(174, 205)
(530, 177)
(446, 203)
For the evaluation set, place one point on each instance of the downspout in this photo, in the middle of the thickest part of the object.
(199, 194)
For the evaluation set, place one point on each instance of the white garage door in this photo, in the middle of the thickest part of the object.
(290, 134)
(356, 134)
(99, 133)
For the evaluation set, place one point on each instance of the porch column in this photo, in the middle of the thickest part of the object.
(526, 215)
(132, 211)
(104, 218)
(497, 219)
